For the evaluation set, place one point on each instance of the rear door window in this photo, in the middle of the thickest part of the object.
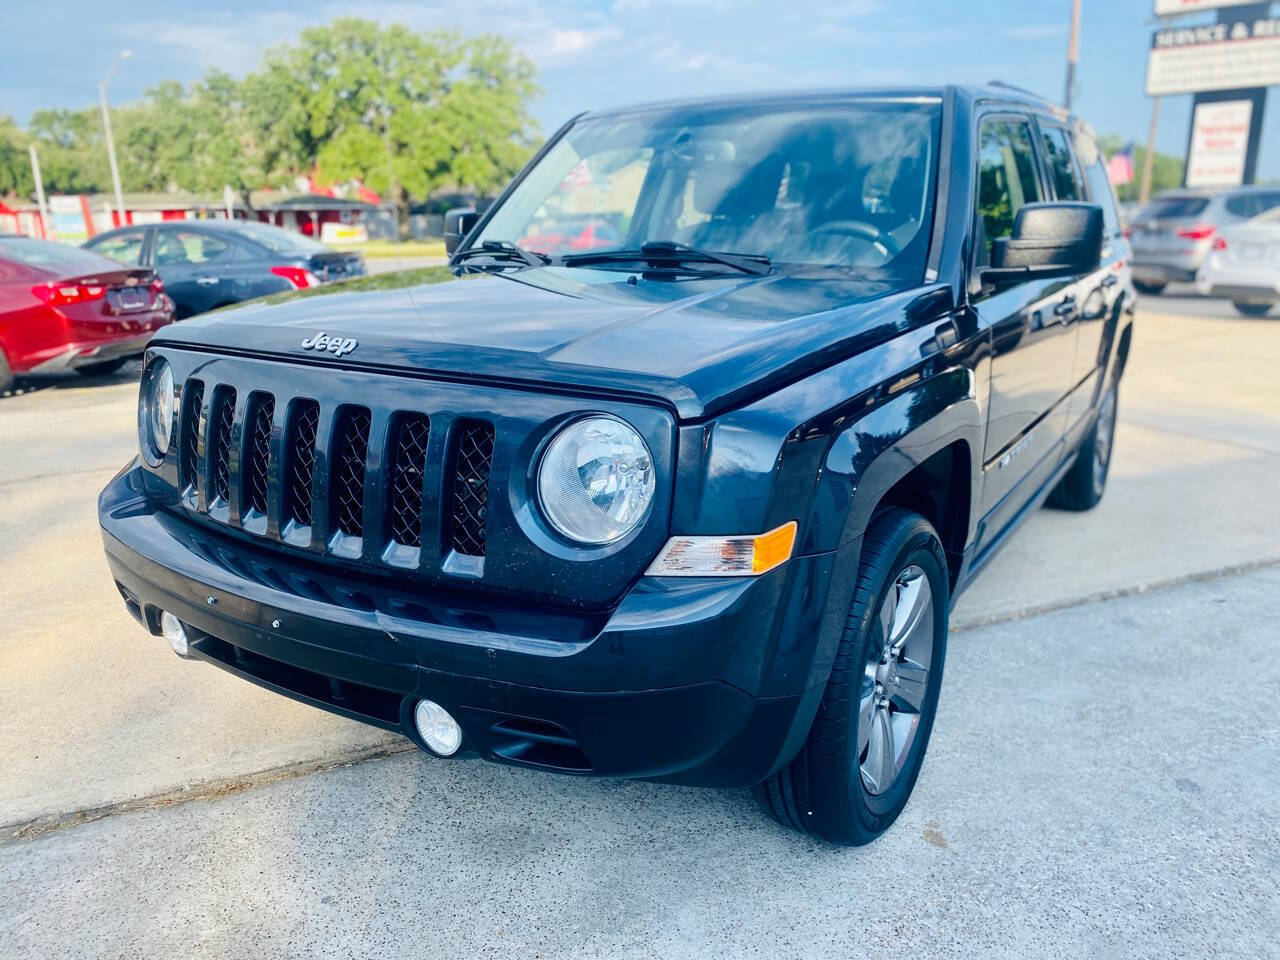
(1063, 169)
(1007, 179)
(124, 248)
(187, 246)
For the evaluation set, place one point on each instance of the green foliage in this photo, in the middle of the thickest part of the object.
(407, 113)
(1166, 170)
(15, 170)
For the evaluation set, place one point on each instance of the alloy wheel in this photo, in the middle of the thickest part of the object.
(895, 680)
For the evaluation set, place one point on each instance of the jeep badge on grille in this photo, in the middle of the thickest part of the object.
(335, 345)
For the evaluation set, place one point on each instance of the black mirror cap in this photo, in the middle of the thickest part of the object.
(457, 224)
(1051, 239)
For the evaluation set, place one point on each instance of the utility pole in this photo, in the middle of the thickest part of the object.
(1149, 158)
(111, 144)
(1073, 53)
(45, 223)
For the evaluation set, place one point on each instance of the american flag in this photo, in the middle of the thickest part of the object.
(1120, 166)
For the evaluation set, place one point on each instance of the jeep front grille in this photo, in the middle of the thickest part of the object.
(220, 420)
(262, 408)
(351, 451)
(189, 447)
(302, 461)
(365, 483)
(473, 454)
(408, 466)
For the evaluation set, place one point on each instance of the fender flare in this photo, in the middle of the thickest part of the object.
(871, 455)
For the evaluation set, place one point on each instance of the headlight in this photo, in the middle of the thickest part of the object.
(595, 482)
(155, 411)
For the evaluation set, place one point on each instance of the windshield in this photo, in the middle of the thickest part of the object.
(281, 241)
(847, 185)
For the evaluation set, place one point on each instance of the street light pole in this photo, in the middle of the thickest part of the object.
(111, 144)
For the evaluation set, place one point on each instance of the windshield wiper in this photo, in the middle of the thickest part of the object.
(503, 249)
(665, 251)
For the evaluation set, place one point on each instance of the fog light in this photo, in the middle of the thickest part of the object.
(439, 731)
(175, 633)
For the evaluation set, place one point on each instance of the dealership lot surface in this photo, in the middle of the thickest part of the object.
(1103, 779)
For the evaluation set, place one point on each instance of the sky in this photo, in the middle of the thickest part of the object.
(600, 53)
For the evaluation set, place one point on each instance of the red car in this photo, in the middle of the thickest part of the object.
(63, 308)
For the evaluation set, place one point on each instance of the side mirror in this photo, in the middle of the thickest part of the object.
(1049, 240)
(457, 224)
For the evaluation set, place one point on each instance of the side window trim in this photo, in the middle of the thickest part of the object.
(1077, 168)
(981, 118)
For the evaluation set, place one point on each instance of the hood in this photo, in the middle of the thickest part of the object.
(696, 345)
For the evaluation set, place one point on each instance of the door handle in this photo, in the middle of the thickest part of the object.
(206, 281)
(1066, 309)
(1110, 280)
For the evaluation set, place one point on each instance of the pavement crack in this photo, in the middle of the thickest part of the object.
(24, 830)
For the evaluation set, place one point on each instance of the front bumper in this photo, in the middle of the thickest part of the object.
(709, 682)
(1152, 271)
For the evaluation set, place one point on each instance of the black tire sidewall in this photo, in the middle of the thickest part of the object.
(1099, 486)
(875, 813)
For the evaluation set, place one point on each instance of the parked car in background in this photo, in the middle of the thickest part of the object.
(1174, 233)
(207, 264)
(1244, 265)
(62, 308)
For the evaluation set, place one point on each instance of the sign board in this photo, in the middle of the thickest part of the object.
(1214, 56)
(1219, 143)
(1174, 8)
(70, 218)
(343, 233)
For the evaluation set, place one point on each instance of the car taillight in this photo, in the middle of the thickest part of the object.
(1219, 243)
(299, 277)
(1201, 231)
(63, 294)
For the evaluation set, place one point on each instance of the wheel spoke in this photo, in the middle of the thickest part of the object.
(886, 613)
(879, 766)
(912, 590)
(866, 711)
(913, 627)
(913, 680)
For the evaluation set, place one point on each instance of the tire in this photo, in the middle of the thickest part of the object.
(1148, 287)
(1247, 309)
(1083, 485)
(102, 369)
(824, 789)
(7, 379)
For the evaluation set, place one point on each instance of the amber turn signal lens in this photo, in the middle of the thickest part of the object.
(725, 556)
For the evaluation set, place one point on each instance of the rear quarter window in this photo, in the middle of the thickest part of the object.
(1095, 175)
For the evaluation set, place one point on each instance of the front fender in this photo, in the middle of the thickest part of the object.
(868, 458)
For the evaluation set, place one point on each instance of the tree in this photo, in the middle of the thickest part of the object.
(407, 113)
(15, 164)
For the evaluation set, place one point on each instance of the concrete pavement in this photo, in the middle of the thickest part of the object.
(98, 717)
(1103, 782)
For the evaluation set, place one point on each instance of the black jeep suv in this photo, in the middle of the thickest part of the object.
(684, 493)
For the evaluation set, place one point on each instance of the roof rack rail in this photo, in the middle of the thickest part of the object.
(1023, 90)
